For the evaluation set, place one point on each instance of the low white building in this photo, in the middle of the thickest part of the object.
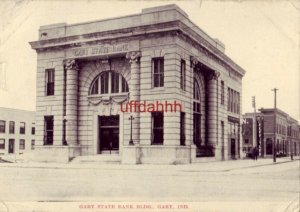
(17, 131)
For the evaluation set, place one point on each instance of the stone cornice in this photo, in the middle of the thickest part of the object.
(129, 33)
(78, 40)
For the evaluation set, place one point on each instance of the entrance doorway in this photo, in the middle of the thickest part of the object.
(269, 146)
(232, 148)
(11, 145)
(108, 134)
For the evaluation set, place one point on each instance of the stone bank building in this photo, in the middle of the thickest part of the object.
(86, 71)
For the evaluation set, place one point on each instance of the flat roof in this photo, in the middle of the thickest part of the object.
(49, 34)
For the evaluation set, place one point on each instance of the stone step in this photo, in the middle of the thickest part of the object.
(101, 158)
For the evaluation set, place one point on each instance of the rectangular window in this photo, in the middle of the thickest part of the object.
(11, 127)
(158, 72)
(238, 102)
(182, 74)
(11, 145)
(22, 144)
(232, 100)
(114, 82)
(48, 134)
(222, 140)
(222, 132)
(157, 127)
(222, 93)
(32, 144)
(49, 82)
(2, 126)
(22, 127)
(2, 144)
(228, 99)
(182, 128)
(32, 130)
(246, 141)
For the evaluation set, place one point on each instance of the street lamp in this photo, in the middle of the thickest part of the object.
(131, 141)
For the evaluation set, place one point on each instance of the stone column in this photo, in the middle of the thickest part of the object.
(193, 65)
(71, 107)
(134, 90)
(212, 86)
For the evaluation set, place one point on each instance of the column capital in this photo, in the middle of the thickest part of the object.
(71, 64)
(213, 75)
(133, 57)
(194, 61)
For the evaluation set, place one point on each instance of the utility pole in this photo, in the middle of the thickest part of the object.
(275, 110)
(254, 123)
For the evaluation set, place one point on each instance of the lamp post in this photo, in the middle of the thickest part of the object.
(274, 148)
(131, 141)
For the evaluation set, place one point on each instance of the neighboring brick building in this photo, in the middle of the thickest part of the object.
(85, 72)
(253, 132)
(17, 131)
(262, 134)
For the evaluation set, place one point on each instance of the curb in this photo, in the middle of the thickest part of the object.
(267, 164)
(130, 167)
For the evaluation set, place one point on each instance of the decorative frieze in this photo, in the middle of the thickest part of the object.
(96, 100)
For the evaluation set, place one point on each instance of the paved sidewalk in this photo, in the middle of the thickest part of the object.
(215, 166)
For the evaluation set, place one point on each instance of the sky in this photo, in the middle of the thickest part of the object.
(260, 36)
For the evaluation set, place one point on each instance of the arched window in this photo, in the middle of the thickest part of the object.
(109, 82)
(197, 114)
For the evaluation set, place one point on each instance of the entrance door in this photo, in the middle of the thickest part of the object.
(232, 149)
(108, 133)
(11, 145)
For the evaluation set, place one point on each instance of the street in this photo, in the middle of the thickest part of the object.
(219, 181)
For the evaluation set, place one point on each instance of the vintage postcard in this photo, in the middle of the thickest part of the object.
(149, 105)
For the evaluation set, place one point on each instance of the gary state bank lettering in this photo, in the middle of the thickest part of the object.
(86, 71)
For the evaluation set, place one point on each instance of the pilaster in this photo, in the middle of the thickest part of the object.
(134, 90)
